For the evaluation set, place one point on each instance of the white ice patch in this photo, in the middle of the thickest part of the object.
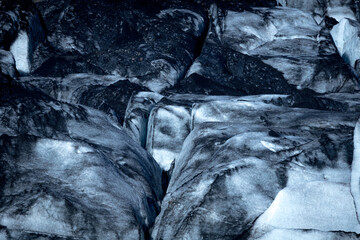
(60, 153)
(20, 51)
(297, 172)
(322, 206)
(225, 111)
(281, 2)
(202, 188)
(347, 40)
(195, 68)
(46, 215)
(164, 157)
(137, 110)
(168, 127)
(272, 146)
(340, 13)
(253, 34)
(167, 77)
(278, 234)
(355, 170)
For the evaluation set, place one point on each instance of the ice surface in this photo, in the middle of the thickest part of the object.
(137, 114)
(70, 88)
(20, 50)
(167, 77)
(195, 68)
(345, 35)
(107, 93)
(45, 215)
(238, 137)
(239, 110)
(167, 129)
(253, 34)
(288, 41)
(77, 172)
(306, 234)
(247, 110)
(355, 170)
(246, 31)
(216, 185)
(341, 12)
(337, 9)
(322, 206)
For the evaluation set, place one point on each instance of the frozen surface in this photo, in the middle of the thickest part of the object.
(249, 30)
(355, 170)
(319, 206)
(137, 115)
(247, 109)
(346, 38)
(168, 127)
(215, 186)
(247, 149)
(107, 93)
(279, 50)
(337, 9)
(72, 172)
(20, 50)
(305, 234)
(176, 109)
(341, 12)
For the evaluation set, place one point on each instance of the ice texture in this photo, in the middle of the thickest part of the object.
(322, 206)
(20, 50)
(72, 172)
(243, 154)
(346, 38)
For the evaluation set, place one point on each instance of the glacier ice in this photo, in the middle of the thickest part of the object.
(20, 50)
(137, 115)
(74, 168)
(355, 170)
(168, 127)
(286, 43)
(232, 139)
(345, 35)
(322, 206)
